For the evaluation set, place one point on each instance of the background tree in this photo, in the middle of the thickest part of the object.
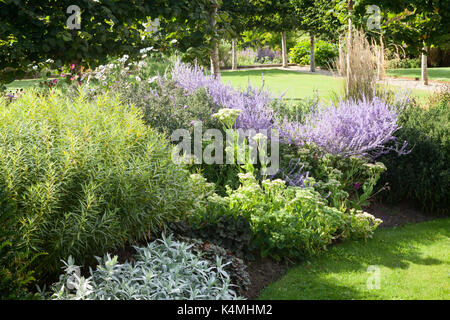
(416, 24)
(314, 19)
(277, 16)
(32, 31)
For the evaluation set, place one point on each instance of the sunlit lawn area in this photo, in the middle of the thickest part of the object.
(294, 85)
(22, 84)
(414, 263)
(442, 74)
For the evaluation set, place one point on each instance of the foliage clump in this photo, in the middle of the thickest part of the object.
(324, 54)
(165, 269)
(82, 177)
(423, 175)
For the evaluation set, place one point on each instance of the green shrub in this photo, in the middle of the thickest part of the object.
(403, 63)
(234, 266)
(168, 107)
(300, 54)
(289, 221)
(84, 177)
(215, 224)
(325, 53)
(14, 278)
(346, 182)
(423, 176)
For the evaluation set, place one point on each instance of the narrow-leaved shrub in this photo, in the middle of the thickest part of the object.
(84, 177)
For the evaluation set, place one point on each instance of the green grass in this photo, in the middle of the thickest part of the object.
(441, 74)
(295, 85)
(22, 84)
(414, 263)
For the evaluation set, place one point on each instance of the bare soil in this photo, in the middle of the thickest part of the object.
(397, 215)
(262, 272)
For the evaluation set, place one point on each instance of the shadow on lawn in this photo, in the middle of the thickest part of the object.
(393, 248)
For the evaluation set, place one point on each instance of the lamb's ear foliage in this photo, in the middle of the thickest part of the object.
(165, 269)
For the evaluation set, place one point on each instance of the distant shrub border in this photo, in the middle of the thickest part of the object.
(325, 53)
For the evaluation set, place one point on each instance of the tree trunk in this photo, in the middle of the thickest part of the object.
(284, 49)
(234, 54)
(313, 59)
(214, 53)
(349, 48)
(215, 64)
(425, 66)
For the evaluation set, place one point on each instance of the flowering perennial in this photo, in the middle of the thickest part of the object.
(253, 103)
(350, 128)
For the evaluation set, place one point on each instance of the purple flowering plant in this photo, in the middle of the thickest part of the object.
(363, 128)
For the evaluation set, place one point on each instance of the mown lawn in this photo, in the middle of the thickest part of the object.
(413, 261)
(22, 84)
(294, 85)
(442, 74)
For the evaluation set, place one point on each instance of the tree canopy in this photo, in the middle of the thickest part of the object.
(36, 30)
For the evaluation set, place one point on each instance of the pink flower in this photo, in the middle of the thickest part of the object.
(55, 81)
(63, 75)
(357, 186)
(72, 78)
(72, 67)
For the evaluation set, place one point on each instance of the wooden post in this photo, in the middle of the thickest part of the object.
(234, 54)
(381, 73)
(284, 49)
(349, 47)
(313, 60)
(341, 64)
(425, 66)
